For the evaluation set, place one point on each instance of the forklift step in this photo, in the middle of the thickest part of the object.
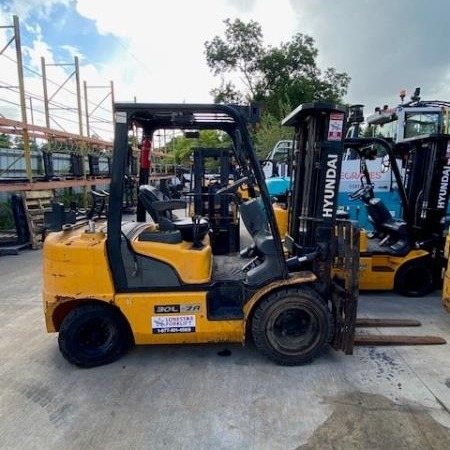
(368, 323)
(378, 339)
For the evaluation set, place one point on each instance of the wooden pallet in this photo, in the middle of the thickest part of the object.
(35, 204)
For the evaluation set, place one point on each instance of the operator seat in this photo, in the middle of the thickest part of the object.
(149, 194)
(160, 207)
(386, 225)
(257, 225)
(378, 212)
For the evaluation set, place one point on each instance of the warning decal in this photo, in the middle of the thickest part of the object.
(121, 117)
(173, 324)
(335, 127)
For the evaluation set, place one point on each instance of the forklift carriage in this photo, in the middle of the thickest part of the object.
(220, 209)
(121, 282)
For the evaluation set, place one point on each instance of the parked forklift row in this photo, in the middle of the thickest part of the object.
(294, 290)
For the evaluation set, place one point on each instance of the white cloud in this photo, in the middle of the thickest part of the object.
(35, 8)
(384, 45)
(36, 51)
(161, 55)
(73, 52)
(63, 111)
(159, 50)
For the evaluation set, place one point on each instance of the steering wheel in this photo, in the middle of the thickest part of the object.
(361, 192)
(232, 188)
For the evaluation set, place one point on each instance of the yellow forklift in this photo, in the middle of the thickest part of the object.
(109, 285)
(446, 283)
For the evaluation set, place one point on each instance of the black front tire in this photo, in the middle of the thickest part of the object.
(93, 335)
(415, 278)
(292, 327)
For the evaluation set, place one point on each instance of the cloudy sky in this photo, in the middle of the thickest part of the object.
(154, 50)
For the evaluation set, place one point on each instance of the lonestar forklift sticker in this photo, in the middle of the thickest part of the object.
(173, 324)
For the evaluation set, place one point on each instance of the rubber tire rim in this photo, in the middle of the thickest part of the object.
(292, 330)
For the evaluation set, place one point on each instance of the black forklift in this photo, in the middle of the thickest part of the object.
(405, 253)
(315, 226)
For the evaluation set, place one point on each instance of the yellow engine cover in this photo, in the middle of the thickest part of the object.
(193, 265)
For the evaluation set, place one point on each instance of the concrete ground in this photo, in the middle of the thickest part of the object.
(191, 397)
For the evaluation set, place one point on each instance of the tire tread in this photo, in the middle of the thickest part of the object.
(258, 317)
(123, 343)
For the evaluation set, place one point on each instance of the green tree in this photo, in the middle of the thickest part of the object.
(18, 142)
(179, 149)
(5, 140)
(271, 131)
(288, 73)
(240, 52)
(368, 131)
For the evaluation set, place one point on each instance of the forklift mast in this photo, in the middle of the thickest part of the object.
(315, 235)
(317, 164)
(427, 186)
(223, 157)
(317, 161)
(220, 210)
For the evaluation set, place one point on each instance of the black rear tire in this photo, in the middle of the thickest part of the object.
(93, 335)
(415, 278)
(292, 327)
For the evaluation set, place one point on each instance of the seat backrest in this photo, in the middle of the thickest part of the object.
(160, 207)
(384, 222)
(253, 217)
(378, 213)
(149, 194)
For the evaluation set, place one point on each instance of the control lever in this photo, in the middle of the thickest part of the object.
(248, 252)
(295, 262)
(251, 264)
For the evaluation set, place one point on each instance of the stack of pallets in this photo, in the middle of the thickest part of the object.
(36, 203)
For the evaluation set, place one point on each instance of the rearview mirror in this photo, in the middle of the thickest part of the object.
(385, 164)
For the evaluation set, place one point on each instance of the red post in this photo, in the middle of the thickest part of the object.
(144, 173)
